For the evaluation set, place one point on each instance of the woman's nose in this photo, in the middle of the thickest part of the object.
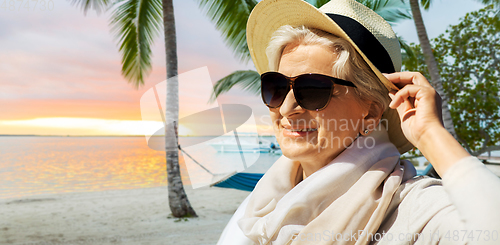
(290, 105)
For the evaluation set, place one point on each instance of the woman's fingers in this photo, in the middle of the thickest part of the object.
(414, 89)
(400, 104)
(418, 106)
(417, 97)
(406, 93)
(400, 79)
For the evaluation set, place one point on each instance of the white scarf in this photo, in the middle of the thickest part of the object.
(342, 203)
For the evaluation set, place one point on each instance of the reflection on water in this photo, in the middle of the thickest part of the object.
(40, 165)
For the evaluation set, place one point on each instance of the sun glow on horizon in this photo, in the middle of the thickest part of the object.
(82, 126)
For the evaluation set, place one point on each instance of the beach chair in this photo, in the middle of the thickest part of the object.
(239, 181)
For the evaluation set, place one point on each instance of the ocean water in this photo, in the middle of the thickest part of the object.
(45, 165)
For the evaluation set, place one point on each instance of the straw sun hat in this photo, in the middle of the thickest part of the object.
(367, 31)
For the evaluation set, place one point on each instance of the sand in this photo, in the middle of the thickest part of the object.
(138, 216)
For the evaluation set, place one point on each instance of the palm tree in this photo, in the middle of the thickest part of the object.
(136, 23)
(431, 61)
(432, 65)
(230, 17)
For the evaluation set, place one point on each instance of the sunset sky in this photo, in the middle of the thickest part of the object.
(60, 71)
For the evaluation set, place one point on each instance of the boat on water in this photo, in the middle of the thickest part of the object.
(246, 144)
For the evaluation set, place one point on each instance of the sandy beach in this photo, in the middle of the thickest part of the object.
(137, 216)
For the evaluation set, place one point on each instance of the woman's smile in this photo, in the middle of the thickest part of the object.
(289, 131)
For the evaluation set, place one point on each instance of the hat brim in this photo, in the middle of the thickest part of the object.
(268, 15)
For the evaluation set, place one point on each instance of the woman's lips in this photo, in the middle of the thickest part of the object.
(288, 132)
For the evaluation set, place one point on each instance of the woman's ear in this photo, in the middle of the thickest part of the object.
(372, 118)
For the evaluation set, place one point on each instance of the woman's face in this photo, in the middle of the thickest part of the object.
(330, 130)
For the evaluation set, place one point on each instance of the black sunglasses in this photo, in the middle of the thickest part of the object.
(311, 91)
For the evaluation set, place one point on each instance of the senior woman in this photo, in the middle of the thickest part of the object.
(340, 179)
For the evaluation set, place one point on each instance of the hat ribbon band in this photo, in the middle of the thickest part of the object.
(366, 42)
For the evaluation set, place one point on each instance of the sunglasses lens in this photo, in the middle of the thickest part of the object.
(312, 92)
(274, 88)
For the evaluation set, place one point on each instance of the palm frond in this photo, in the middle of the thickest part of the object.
(247, 80)
(136, 23)
(320, 3)
(425, 4)
(408, 53)
(392, 11)
(99, 6)
(230, 18)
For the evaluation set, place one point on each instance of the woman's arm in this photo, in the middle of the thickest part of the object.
(441, 149)
(472, 189)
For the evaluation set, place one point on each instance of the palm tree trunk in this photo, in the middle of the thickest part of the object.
(432, 65)
(177, 198)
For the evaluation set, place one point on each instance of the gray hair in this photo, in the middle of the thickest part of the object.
(357, 71)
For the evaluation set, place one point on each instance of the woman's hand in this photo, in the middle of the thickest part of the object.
(417, 103)
(419, 108)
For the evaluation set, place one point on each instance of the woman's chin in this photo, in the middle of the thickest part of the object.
(297, 152)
